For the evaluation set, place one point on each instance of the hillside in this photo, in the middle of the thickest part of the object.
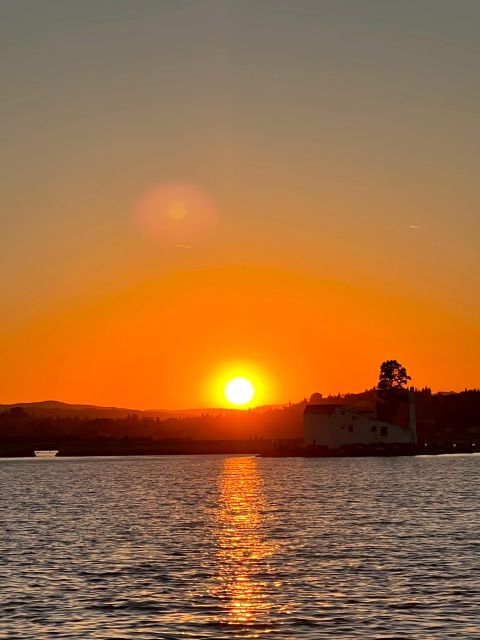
(56, 409)
(441, 418)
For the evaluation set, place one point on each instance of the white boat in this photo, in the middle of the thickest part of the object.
(46, 454)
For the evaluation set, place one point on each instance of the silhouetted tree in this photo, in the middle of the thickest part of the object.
(392, 375)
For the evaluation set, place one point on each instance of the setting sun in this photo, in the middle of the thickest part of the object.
(239, 391)
(239, 383)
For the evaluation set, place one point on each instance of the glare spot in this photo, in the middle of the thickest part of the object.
(176, 214)
(177, 210)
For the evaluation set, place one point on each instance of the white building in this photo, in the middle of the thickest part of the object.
(335, 425)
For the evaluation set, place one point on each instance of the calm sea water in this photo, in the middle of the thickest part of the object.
(240, 547)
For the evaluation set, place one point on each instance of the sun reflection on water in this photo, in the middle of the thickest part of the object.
(242, 550)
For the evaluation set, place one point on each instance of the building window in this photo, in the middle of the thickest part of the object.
(374, 427)
(384, 431)
(350, 427)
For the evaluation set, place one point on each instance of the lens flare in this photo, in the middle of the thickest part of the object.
(176, 214)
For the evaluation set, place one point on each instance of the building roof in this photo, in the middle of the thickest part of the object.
(321, 409)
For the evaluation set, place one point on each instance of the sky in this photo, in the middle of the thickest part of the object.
(191, 190)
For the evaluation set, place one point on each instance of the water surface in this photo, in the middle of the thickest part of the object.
(240, 547)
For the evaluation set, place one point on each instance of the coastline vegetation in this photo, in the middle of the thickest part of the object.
(444, 420)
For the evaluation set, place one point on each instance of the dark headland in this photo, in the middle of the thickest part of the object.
(446, 423)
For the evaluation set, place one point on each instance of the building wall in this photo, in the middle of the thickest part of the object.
(343, 427)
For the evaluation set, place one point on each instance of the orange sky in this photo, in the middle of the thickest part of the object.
(291, 193)
(165, 342)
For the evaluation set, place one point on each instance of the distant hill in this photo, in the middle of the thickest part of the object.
(442, 419)
(56, 409)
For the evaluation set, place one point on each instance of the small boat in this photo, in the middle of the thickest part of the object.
(46, 454)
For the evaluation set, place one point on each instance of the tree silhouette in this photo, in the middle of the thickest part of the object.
(392, 375)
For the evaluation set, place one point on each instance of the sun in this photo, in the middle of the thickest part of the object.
(239, 383)
(239, 391)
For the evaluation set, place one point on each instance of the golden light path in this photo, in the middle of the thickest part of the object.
(243, 551)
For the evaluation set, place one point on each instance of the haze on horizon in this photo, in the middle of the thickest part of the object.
(283, 188)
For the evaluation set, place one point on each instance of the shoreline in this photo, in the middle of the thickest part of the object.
(264, 449)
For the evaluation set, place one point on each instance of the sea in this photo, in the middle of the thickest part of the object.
(193, 547)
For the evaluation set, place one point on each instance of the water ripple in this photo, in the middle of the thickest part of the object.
(239, 547)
